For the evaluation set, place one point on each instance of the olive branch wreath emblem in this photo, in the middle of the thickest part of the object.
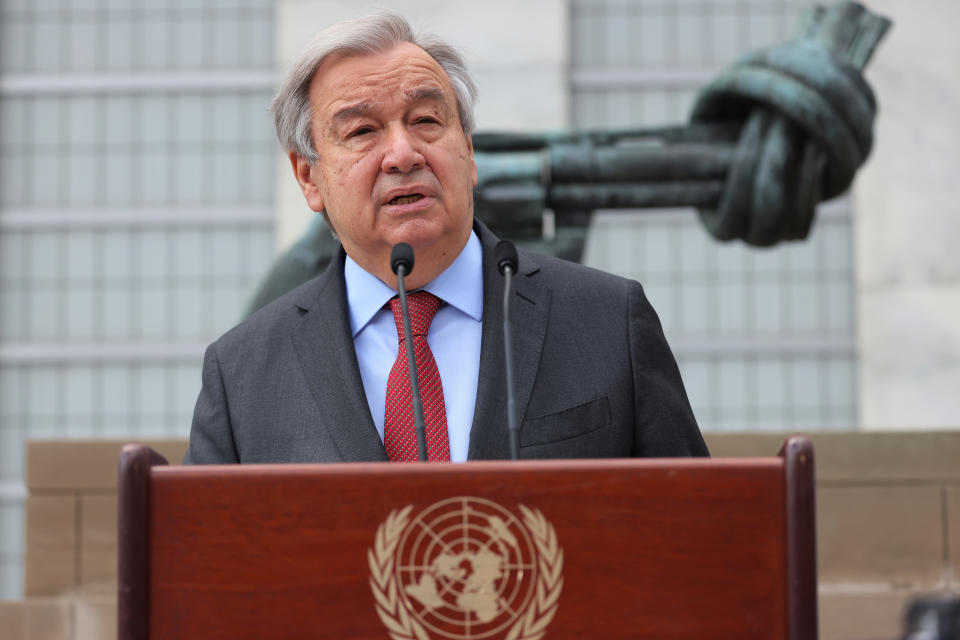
(401, 625)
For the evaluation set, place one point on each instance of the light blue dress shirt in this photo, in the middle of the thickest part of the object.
(454, 338)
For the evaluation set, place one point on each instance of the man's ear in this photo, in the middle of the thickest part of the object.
(472, 159)
(303, 172)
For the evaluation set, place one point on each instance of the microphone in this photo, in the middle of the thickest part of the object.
(401, 262)
(505, 255)
(401, 256)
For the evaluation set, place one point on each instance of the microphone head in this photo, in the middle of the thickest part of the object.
(505, 255)
(402, 254)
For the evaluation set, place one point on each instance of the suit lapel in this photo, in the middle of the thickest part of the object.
(324, 347)
(529, 310)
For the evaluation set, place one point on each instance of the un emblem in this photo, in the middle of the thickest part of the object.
(466, 568)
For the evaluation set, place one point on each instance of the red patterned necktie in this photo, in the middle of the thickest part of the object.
(399, 431)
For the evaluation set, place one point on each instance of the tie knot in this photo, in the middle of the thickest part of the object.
(422, 305)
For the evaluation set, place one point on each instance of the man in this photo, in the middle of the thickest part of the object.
(377, 125)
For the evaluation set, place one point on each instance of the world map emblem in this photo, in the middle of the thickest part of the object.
(466, 568)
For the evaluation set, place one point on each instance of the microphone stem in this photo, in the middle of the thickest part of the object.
(412, 366)
(508, 355)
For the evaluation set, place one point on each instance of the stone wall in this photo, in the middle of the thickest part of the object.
(888, 523)
(70, 568)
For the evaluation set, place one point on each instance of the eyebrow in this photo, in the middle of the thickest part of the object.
(426, 93)
(419, 94)
(352, 111)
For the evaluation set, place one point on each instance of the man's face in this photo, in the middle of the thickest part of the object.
(395, 164)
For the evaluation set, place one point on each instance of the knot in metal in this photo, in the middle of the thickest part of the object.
(806, 116)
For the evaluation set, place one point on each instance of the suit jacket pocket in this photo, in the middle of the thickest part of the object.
(568, 423)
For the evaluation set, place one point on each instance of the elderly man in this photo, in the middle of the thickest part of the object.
(377, 125)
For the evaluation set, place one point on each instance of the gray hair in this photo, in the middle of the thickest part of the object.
(370, 34)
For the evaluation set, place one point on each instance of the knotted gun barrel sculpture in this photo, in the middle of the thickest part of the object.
(779, 131)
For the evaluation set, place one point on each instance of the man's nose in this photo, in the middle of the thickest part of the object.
(401, 154)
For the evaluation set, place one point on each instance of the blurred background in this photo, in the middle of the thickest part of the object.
(143, 195)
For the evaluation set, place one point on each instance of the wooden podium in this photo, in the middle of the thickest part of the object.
(652, 549)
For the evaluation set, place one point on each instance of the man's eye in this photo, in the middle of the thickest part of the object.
(360, 131)
(427, 120)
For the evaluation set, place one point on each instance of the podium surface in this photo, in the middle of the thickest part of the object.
(664, 548)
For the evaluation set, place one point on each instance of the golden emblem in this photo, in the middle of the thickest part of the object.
(466, 568)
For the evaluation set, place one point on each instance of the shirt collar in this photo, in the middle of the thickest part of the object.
(460, 285)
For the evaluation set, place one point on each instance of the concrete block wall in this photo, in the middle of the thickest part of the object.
(888, 530)
(70, 570)
(888, 523)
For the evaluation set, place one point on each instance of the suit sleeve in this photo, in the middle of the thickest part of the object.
(665, 425)
(211, 434)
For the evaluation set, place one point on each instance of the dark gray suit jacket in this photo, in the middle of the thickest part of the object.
(594, 375)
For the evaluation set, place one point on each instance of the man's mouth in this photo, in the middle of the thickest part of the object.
(413, 197)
